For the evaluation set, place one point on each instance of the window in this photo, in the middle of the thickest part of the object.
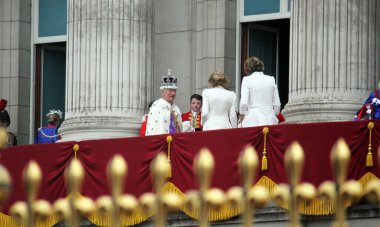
(52, 18)
(255, 7)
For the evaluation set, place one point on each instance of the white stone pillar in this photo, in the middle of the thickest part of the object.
(334, 58)
(109, 67)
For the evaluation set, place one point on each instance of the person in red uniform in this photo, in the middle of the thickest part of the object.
(193, 117)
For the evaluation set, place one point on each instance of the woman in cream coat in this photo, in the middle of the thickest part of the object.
(260, 103)
(218, 111)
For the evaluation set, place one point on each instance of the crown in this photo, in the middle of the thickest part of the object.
(169, 81)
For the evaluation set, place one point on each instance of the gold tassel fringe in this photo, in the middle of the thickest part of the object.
(369, 159)
(169, 140)
(264, 163)
(264, 159)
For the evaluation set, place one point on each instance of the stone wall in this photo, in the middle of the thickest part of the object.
(15, 25)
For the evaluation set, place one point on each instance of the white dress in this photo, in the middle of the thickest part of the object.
(159, 117)
(259, 102)
(218, 110)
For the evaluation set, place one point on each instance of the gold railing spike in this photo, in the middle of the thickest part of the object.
(248, 197)
(76, 206)
(293, 194)
(31, 210)
(372, 190)
(341, 191)
(5, 184)
(159, 204)
(117, 203)
(205, 198)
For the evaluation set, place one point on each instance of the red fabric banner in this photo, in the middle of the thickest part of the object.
(316, 139)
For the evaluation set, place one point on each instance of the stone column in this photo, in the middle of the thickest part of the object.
(109, 67)
(334, 60)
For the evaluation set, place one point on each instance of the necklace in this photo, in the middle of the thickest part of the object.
(47, 136)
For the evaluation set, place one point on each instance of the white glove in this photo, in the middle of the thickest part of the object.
(375, 101)
(369, 111)
(187, 127)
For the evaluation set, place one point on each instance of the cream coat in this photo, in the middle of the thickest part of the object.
(260, 102)
(218, 111)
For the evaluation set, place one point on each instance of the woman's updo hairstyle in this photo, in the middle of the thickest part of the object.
(217, 78)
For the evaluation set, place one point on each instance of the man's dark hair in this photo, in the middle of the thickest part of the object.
(196, 96)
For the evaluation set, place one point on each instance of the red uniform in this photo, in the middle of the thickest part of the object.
(194, 121)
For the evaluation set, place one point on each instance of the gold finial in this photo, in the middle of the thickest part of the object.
(203, 166)
(340, 158)
(5, 184)
(265, 130)
(33, 209)
(3, 138)
(159, 203)
(206, 198)
(373, 188)
(294, 193)
(116, 171)
(342, 190)
(75, 207)
(294, 159)
(169, 139)
(247, 197)
(370, 125)
(75, 149)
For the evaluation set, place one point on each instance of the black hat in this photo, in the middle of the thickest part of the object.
(4, 116)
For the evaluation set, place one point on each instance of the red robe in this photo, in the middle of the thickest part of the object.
(196, 123)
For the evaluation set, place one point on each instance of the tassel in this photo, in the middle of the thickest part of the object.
(264, 163)
(264, 160)
(169, 171)
(369, 159)
(169, 139)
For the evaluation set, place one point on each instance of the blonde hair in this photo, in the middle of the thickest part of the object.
(217, 78)
(253, 64)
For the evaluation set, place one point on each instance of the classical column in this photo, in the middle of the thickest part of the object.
(109, 67)
(334, 60)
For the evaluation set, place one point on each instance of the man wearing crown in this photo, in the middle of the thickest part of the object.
(49, 133)
(193, 117)
(164, 116)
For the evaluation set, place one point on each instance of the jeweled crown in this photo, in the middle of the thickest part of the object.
(169, 81)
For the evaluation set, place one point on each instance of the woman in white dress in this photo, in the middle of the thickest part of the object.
(218, 111)
(259, 103)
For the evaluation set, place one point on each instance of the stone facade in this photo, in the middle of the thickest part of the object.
(194, 38)
(15, 54)
(334, 58)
